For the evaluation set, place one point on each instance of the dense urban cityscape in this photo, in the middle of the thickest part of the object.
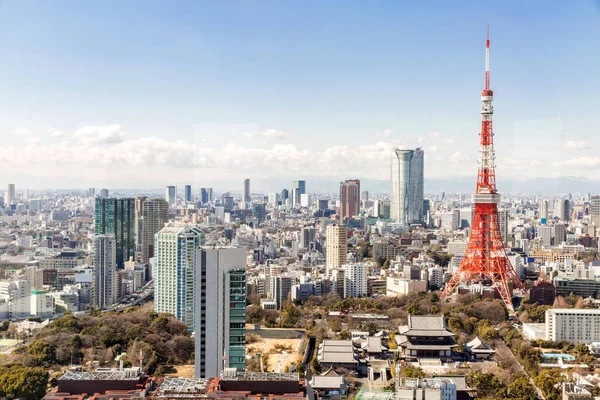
(200, 290)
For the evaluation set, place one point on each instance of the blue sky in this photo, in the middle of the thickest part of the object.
(143, 94)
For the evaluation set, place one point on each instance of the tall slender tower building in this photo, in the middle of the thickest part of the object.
(349, 199)
(104, 283)
(171, 195)
(595, 210)
(175, 284)
(117, 217)
(220, 304)
(188, 193)
(407, 174)
(154, 217)
(543, 210)
(10, 194)
(336, 245)
(485, 256)
(246, 191)
(298, 190)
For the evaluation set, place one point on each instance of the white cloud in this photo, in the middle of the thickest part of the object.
(32, 140)
(576, 145)
(269, 134)
(458, 157)
(386, 134)
(420, 140)
(436, 134)
(108, 134)
(56, 134)
(587, 162)
(433, 148)
(450, 141)
(23, 132)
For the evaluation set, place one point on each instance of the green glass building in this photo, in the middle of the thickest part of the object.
(117, 217)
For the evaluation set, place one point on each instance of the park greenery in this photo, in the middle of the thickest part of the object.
(95, 341)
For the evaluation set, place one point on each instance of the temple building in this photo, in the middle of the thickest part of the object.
(425, 337)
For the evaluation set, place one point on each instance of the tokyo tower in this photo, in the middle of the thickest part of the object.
(485, 256)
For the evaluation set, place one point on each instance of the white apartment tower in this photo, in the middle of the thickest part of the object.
(104, 285)
(573, 325)
(174, 271)
(10, 194)
(220, 310)
(407, 186)
(543, 213)
(336, 245)
(355, 280)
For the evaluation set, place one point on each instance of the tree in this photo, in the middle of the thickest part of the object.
(414, 309)
(18, 381)
(386, 264)
(335, 325)
(410, 371)
(549, 382)
(520, 388)
(43, 352)
(487, 384)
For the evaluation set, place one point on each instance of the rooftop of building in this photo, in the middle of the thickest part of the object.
(231, 374)
(172, 386)
(129, 374)
(574, 311)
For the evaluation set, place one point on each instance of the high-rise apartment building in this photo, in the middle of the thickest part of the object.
(560, 234)
(543, 210)
(104, 281)
(246, 191)
(175, 271)
(503, 220)
(355, 280)
(407, 186)
(10, 194)
(573, 325)
(595, 210)
(298, 189)
(171, 195)
(349, 199)
(117, 217)
(188, 193)
(220, 328)
(336, 245)
(154, 216)
(104, 193)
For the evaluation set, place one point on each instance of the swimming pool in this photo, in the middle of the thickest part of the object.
(564, 356)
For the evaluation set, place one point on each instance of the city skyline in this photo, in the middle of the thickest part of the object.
(223, 118)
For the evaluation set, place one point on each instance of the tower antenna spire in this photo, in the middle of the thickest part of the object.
(487, 59)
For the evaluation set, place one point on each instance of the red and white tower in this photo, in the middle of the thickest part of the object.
(485, 256)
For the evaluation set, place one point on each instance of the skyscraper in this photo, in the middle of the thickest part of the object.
(154, 215)
(171, 195)
(407, 186)
(188, 193)
(298, 189)
(104, 284)
(117, 217)
(543, 213)
(175, 272)
(258, 211)
(337, 245)
(246, 191)
(205, 195)
(220, 311)
(595, 210)
(10, 194)
(284, 195)
(104, 193)
(349, 199)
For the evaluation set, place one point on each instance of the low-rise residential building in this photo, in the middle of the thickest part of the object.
(398, 286)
